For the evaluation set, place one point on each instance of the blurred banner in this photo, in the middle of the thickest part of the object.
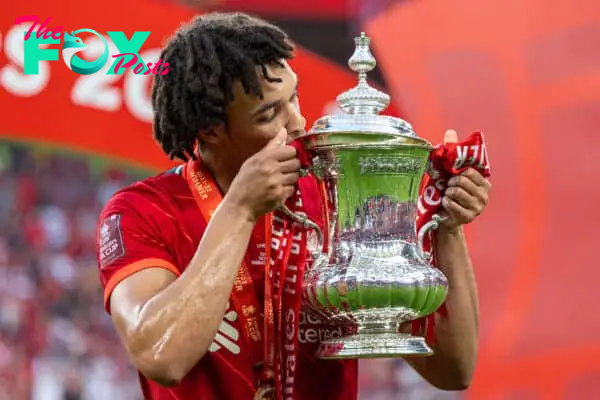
(526, 72)
(111, 114)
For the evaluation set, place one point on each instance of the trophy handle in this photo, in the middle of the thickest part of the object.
(305, 171)
(429, 226)
(307, 223)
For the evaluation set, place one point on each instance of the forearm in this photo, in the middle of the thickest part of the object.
(456, 335)
(177, 326)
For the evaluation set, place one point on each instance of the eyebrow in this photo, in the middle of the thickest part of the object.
(272, 104)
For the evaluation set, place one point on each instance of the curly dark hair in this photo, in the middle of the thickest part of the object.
(206, 57)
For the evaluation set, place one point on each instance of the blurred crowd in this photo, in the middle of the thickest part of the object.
(56, 341)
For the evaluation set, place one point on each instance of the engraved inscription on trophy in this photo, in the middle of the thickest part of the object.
(388, 165)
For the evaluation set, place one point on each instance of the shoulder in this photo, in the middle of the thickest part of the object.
(141, 222)
(152, 206)
(148, 196)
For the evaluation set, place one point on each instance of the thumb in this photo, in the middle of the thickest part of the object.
(451, 136)
(279, 140)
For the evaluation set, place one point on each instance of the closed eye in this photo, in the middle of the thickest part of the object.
(274, 109)
(269, 115)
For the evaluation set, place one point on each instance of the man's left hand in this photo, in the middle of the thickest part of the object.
(467, 194)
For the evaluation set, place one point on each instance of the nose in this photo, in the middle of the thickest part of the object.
(296, 123)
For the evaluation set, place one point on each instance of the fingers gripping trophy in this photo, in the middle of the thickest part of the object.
(370, 268)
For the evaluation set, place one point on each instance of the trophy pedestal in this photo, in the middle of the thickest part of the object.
(374, 345)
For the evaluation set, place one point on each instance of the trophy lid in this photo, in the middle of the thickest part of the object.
(360, 122)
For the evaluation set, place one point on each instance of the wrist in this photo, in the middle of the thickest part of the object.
(240, 209)
(451, 230)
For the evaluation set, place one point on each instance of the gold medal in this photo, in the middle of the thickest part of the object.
(265, 392)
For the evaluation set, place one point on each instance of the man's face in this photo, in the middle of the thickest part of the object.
(252, 122)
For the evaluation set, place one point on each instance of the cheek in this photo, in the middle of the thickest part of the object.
(251, 138)
(257, 138)
(267, 132)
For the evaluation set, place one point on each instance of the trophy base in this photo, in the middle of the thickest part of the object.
(374, 345)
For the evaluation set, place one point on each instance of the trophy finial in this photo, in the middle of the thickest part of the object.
(362, 61)
(363, 99)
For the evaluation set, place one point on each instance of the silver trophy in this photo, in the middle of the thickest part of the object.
(374, 274)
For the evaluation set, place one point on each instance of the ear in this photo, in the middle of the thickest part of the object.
(212, 135)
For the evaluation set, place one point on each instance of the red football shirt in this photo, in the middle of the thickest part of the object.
(157, 223)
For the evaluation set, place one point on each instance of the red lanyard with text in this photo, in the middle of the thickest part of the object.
(259, 334)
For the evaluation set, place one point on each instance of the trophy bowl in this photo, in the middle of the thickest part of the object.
(369, 269)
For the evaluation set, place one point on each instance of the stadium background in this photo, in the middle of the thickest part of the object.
(526, 72)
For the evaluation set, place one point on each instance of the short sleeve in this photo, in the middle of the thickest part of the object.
(129, 239)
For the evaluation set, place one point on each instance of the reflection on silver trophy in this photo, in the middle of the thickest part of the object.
(370, 268)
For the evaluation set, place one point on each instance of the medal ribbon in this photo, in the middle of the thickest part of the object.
(290, 258)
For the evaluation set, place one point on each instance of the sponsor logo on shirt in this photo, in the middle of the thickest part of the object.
(111, 246)
(227, 336)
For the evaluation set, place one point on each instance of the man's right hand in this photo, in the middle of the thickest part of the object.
(267, 179)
